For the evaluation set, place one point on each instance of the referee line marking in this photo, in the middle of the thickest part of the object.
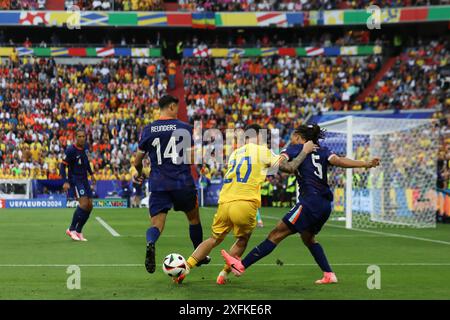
(136, 265)
(107, 227)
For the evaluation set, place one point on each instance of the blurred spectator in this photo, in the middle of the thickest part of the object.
(109, 99)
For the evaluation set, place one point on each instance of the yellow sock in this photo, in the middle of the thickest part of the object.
(191, 262)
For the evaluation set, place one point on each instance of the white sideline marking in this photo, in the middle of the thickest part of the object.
(135, 265)
(389, 234)
(264, 235)
(386, 234)
(107, 227)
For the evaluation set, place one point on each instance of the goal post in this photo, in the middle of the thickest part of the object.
(398, 193)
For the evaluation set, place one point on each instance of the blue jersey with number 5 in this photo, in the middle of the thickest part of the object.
(166, 142)
(312, 172)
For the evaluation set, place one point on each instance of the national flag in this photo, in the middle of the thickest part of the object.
(22, 51)
(266, 52)
(349, 51)
(334, 17)
(77, 52)
(204, 20)
(8, 18)
(202, 52)
(188, 52)
(236, 19)
(414, 14)
(151, 19)
(58, 52)
(287, 52)
(122, 52)
(104, 52)
(179, 19)
(28, 18)
(390, 15)
(266, 19)
(294, 19)
(235, 51)
(89, 18)
(316, 18)
(332, 51)
(139, 52)
(314, 51)
(219, 52)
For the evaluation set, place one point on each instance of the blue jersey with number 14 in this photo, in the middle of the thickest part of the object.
(162, 141)
(312, 172)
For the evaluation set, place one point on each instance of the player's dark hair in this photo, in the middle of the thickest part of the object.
(166, 100)
(254, 126)
(311, 132)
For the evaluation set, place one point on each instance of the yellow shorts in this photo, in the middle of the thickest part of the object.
(239, 216)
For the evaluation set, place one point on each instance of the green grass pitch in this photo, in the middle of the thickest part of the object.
(35, 253)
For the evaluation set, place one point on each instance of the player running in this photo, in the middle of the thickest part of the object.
(239, 198)
(313, 207)
(170, 180)
(77, 184)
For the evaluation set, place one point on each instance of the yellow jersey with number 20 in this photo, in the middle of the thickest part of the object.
(247, 170)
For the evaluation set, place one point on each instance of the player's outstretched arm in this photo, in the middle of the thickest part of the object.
(349, 163)
(291, 166)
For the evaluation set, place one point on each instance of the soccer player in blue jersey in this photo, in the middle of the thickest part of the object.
(77, 183)
(314, 203)
(171, 182)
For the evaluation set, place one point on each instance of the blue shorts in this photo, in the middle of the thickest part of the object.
(308, 215)
(80, 188)
(181, 200)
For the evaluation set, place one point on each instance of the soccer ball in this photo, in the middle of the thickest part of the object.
(174, 265)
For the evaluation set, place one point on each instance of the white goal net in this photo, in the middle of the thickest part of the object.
(398, 193)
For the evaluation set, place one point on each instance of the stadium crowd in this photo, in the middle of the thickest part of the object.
(22, 4)
(415, 80)
(43, 102)
(299, 5)
(217, 5)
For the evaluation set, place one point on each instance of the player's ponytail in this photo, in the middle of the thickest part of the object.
(311, 132)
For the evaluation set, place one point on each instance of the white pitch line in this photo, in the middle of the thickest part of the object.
(413, 264)
(386, 234)
(107, 227)
(262, 236)
(389, 234)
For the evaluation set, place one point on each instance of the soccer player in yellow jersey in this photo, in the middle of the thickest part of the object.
(240, 198)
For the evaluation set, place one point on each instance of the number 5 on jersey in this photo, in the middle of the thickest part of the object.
(318, 171)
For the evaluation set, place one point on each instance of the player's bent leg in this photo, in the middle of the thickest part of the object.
(202, 251)
(85, 209)
(280, 232)
(152, 235)
(236, 250)
(200, 254)
(318, 253)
